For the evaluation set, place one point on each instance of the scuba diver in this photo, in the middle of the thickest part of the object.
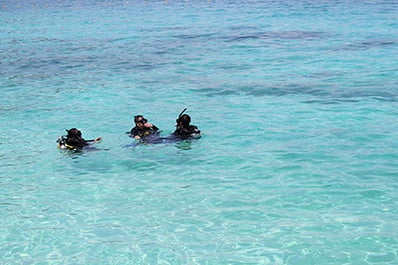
(143, 128)
(184, 130)
(150, 134)
(74, 141)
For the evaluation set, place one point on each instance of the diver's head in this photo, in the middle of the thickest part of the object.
(140, 120)
(74, 133)
(183, 121)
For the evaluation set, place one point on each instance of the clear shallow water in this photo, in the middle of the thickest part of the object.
(298, 107)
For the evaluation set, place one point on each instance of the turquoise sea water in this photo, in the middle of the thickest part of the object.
(297, 102)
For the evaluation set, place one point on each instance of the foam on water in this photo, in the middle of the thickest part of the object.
(297, 103)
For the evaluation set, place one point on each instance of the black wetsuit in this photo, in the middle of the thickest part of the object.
(77, 143)
(144, 131)
(186, 132)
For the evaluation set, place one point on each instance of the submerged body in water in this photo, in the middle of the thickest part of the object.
(157, 139)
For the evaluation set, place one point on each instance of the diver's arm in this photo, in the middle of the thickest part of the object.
(194, 129)
(94, 140)
(150, 125)
(194, 132)
(134, 133)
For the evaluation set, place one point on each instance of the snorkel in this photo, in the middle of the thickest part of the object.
(179, 115)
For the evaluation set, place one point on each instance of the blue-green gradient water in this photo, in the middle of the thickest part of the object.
(297, 102)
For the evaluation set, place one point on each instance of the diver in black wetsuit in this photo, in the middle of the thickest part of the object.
(74, 140)
(142, 128)
(184, 129)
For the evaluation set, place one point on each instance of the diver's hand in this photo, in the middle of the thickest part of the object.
(148, 125)
(98, 139)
